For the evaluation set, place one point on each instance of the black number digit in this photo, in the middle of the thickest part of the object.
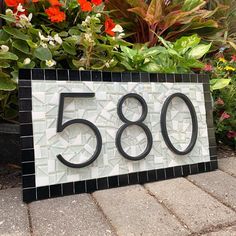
(61, 127)
(194, 124)
(129, 123)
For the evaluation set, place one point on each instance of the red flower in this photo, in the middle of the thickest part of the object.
(109, 26)
(233, 58)
(55, 15)
(224, 116)
(208, 67)
(231, 134)
(219, 101)
(55, 3)
(85, 5)
(14, 3)
(97, 2)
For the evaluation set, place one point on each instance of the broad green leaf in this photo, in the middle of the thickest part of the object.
(31, 65)
(63, 34)
(219, 83)
(69, 48)
(43, 54)
(21, 46)
(32, 44)
(74, 31)
(16, 33)
(199, 51)
(6, 84)
(153, 51)
(4, 37)
(183, 44)
(130, 53)
(8, 18)
(8, 56)
(151, 67)
(127, 65)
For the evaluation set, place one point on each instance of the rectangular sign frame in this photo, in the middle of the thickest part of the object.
(33, 193)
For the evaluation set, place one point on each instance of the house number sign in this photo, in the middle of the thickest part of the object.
(83, 131)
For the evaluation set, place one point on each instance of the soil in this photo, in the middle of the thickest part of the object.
(10, 174)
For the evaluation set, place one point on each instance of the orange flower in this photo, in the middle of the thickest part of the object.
(34, 1)
(97, 2)
(85, 5)
(55, 15)
(14, 3)
(55, 3)
(109, 26)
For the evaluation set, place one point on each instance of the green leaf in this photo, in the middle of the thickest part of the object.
(9, 18)
(4, 64)
(32, 44)
(199, 51)
(6, 84)
(31, 65)
(4, 37)
(154, 51)
(8, 56)
(219, 83)
(43, 54)
(183, 44)
(15, 33)
(130, 53)
(21, 46)
(69, 48)
(191, 4)
(151, 67)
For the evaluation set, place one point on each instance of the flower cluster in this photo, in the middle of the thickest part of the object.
(222, 70)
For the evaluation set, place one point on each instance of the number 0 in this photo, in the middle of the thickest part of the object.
(194, 124)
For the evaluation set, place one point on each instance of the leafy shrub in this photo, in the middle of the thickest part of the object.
(181, 56)
(49, 34)
(168, 19)
(223, 86)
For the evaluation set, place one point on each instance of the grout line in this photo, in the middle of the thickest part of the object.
(209, 193)
(218, 229)
(103, 213)
(30, 220)
(168, 209)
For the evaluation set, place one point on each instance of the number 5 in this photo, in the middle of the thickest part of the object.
(61, 127)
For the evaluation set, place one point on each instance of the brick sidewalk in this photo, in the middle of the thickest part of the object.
(203, 204)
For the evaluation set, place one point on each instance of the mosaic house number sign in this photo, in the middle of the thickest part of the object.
(83, 131)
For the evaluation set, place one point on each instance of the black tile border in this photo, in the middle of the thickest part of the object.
(33, 193)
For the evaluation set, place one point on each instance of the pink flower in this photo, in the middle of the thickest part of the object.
(220, 102)
(233, 58)
(231, 134)
(224, 116)
(208, 67)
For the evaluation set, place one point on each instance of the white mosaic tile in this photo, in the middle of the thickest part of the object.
(77, 142)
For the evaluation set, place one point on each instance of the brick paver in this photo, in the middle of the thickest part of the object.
(13, 214)
(196, 208)
(134, 212)
(230, 231)
(228, 165)
(70, 216)
(219, 184)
